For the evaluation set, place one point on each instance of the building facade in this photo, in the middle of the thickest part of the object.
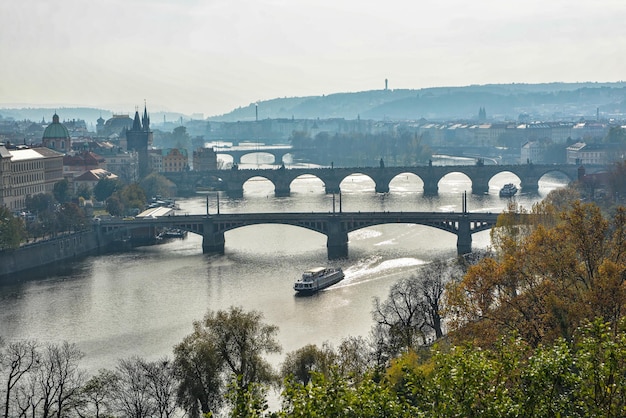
(27, 172)
(204, 159)
(175, 160)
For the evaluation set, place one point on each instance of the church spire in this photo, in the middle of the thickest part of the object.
(145, 120)
(136, 121)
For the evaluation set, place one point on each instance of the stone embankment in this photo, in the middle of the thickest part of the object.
(49, 252)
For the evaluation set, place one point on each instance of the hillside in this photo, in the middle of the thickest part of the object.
(501, 101)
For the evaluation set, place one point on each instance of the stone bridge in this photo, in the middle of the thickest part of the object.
(277, 151)
(335, 225)
(232, 181)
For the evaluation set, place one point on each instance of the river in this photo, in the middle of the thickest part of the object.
(144, 302)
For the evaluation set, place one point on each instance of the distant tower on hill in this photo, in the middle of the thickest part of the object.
(138, 139)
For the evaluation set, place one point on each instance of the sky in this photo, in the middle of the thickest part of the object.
(212, 56)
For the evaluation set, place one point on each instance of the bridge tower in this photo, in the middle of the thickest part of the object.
(139, 139)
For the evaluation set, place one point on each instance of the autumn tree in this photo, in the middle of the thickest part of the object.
(543, 283)
(132, 197)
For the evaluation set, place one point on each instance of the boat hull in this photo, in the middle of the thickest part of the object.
(508, 190)
(311, 285)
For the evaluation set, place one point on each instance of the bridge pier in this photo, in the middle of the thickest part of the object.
(480, 183)
(530, 184)
(212, 240)
(464, 237)
(382, 187)
(337, 242)
(281, 188)
(282, 192)
(234, 191)
(431, 188)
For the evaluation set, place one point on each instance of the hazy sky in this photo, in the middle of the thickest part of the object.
(211, 56)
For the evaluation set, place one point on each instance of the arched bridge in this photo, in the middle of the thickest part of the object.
(232, 181)
(335, 225)
(278, 151)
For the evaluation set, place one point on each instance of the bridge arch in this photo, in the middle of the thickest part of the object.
(357, 181)
(406, 181)
(307, 182)
(455, 181)
(501, 178)
(264, 185)
(258, 157)
(227, 159)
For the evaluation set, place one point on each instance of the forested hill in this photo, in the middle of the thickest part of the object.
(501, 102)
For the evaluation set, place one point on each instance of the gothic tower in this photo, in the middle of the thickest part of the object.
(138, 139)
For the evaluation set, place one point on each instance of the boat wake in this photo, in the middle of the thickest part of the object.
(371, 269)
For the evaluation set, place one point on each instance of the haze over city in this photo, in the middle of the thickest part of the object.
(210, 57)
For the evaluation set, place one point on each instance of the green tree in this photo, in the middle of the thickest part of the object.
(61, 191)
(40, 202)
(231, 345)
(156, 184)
(336, 396)
(12, 230)
(198, 367)
(301, 363)
(114, 205)
(133, 197)
(241, 340)
(84, 191)
(105, 188)
(72, 218)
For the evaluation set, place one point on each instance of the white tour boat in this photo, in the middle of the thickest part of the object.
(317, 279)
(508, 190)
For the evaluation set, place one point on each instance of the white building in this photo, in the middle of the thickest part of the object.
(27, 172)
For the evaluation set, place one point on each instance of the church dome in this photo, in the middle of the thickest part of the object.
(117, 125)
(56, 130)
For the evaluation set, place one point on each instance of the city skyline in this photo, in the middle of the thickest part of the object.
(204, 57)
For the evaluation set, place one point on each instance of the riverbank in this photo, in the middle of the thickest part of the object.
(40, 254)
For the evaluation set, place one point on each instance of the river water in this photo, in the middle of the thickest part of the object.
(143, 302)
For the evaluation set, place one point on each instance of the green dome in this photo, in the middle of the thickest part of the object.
(56, 130)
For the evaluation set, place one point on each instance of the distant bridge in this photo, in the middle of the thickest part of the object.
(335, 225)
(278, 151)
(232, 181)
